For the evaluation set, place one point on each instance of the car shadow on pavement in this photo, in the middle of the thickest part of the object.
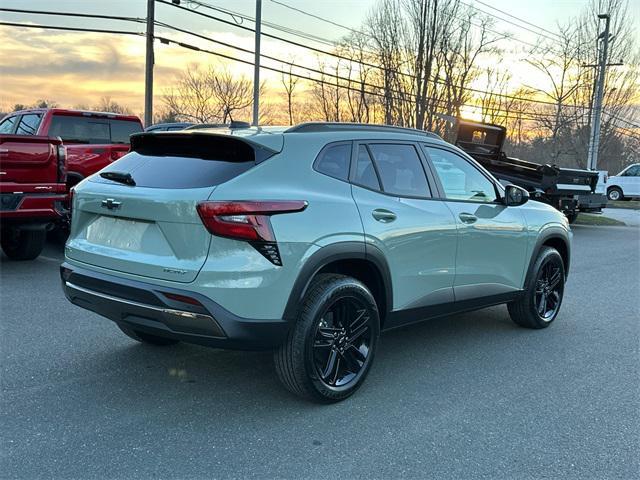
(199, 380)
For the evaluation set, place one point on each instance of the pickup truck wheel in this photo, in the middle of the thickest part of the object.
(540, 304)
(22, 244)
(143, 337)
(330, 349)
(614, 194)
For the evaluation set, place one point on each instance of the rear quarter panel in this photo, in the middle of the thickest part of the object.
(235, 274)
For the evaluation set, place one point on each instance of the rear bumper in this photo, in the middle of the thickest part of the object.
(145, 307)
(25, 207)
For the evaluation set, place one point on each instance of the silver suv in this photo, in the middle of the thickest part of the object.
(308, 240)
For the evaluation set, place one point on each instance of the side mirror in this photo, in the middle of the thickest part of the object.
(515, 196)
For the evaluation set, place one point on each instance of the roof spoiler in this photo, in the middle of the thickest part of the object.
(199, 145)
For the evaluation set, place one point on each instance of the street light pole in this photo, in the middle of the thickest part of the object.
(594, 141)
(256, 65)
(148, 74)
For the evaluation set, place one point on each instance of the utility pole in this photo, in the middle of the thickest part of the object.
(148, 74)
(594, 141)
(256, 65)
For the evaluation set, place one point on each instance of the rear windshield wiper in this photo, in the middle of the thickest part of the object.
(120, 177)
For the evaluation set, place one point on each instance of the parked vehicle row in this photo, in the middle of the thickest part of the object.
(43, 154)
(308, 241)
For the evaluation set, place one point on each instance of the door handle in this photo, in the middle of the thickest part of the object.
(467, 217)
(384, 216)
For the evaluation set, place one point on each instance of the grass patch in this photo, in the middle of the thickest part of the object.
(630, 205)
(590, 219)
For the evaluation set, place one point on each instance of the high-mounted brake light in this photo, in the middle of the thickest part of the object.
(248, 221)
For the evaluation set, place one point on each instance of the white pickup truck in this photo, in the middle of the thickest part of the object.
(625, 185)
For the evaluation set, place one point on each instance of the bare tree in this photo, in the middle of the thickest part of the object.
(230, 93)
(289, 82)
(193, 97)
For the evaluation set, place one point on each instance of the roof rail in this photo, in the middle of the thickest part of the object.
(365, 127)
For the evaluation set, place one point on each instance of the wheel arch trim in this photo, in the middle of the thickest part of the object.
(350, 250)
(550, 233)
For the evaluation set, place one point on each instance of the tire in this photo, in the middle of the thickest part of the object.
(615, 194)
(338, 319)
(22, 244)
(147, 338)
(546, 280)
(571, 217)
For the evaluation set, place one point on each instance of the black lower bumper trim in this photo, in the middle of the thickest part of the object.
(145, 307)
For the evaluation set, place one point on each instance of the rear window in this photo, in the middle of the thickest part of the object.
(185, 161)
(94, 130)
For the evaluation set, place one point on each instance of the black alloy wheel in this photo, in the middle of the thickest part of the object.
(342, 342)
(549, 289)
(540, 302)
(329, 350)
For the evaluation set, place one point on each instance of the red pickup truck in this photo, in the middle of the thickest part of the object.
(33, 192)
(35, 175)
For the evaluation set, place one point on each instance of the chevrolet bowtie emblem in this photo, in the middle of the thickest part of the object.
(111, 204)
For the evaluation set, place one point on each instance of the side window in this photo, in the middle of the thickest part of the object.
(365, 172)
(401, 171)
(28, 124)
(6, 126)
(460, 179)
(334, 161)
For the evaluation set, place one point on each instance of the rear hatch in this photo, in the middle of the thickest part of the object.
(151, 226)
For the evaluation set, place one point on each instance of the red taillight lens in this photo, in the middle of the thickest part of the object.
(245, 220)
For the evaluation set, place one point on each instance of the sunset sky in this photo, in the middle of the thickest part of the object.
(79, 68)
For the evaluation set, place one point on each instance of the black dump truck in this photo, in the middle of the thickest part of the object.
(567, 189)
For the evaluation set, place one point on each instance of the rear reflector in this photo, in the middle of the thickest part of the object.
(182, 298)
(243, 220)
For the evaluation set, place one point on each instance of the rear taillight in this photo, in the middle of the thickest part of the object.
(248, 221)
(62, 164)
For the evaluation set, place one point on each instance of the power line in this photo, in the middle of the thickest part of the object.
(275, 26)
(71, 29)
(314, 70)
(516, 18)
(318, 17)
(326, 20)
(73, 14)
(351, 60)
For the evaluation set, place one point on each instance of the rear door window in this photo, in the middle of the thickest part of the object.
(29, 124)
(401, 171)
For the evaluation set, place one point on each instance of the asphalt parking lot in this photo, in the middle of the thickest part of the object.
(459, 397)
